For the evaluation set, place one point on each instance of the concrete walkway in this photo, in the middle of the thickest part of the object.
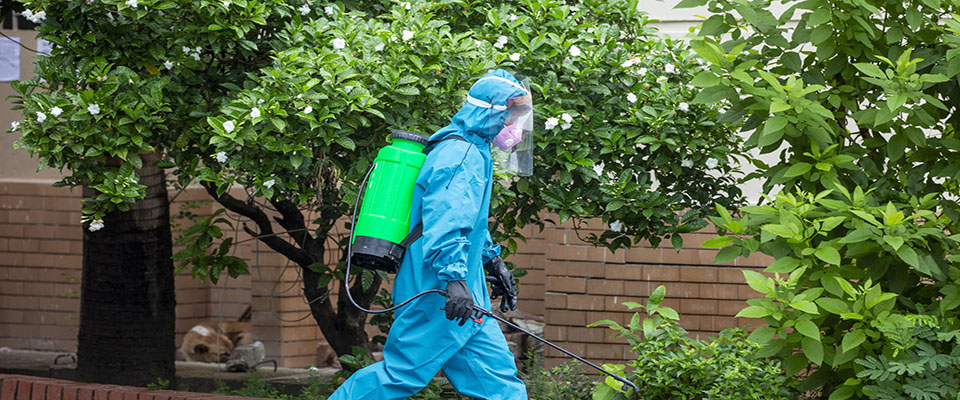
(61, 365)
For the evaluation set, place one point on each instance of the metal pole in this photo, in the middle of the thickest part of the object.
(623, 380)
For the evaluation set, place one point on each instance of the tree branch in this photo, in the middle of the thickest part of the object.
(265, 235)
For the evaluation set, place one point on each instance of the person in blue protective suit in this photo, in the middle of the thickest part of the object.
(452, 199)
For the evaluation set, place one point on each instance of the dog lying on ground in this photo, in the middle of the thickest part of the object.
(200, 343)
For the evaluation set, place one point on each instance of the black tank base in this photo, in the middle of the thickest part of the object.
(376, 254)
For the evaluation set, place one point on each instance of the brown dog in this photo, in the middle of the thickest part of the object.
(200, 343)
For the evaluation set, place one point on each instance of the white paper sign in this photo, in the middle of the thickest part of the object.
(9, 59)
(44, 47)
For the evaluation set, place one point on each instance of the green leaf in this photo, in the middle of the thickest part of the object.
(843, 393)
(717, 242)
(657, 296)
(797, 170)
(779, 230)
(705, 79)
(909, 256)
(784, 264)
(810, 330)
(893, 241)
(852, 339)
(828, 254)
(691, 3)
(668, 312)
(805, 306)
(753, 312)
(835, 306)
(714, 94)
(762, 334)
(812, 349)
(871, 70)
(346, 142)
(727, 253)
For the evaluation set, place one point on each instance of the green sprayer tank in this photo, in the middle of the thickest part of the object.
(384, 218)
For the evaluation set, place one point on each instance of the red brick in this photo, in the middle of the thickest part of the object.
(566, 317)
(573, 347)
(583, 334)
(683, 257)
(730, 307)
(698, 274)
(639, 288)
(70, 392)
(661, 273)
(38, 390)
(682, 290)
(608, 351)
(624, 272)
(101, 393)
(755, 260)
(555, 333)
(9, 388)
(23, 390)
(695, 306)
(567, 252)
(585, 302)
(746, 293)
(730, 275)
(54, 392)
(718, 291)
(644, 255)
(690, 322)
(604, 286)
(555, 236)
(717, 323)
(568, 285)
(553, 300)
(588, 269)
(85, 393)
(133, 395)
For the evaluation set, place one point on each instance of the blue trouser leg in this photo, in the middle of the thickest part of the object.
(484, 367)
(420, 341)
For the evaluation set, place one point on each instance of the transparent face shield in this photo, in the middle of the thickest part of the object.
(512, 148)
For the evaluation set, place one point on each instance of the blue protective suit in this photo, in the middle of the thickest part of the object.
(452, 199)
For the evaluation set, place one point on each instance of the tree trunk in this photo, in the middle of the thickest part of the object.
(127, 302)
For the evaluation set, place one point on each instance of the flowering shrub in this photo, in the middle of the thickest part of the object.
(670, 365)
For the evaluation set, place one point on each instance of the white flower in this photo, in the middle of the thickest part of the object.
(565, 126)
(96, 225)
(632, 98)
(260, 101)
(501, 41)
(405, 5)
(642, 72)
(683, 107)
(574, 9)
(196, 56)
(226, 3)
(566, 118)
(551, 123)
(41, 117)
(407, 35)
(186, 49)
(221, 157)
(574, 51)
(168, 64)
(28, 13)
(34, 17)
(629, 63)
(197, 49)
(347, 89)
(339, 43)
(308, 110)
(670, 69)
(132, 3)
(304, 9)
(686, 163)
(56, 111)
(328, 10)
(662, 79)
(512, 17)
(515, 57)
(379, 47)
(228, 126)
(255, 113)
(598, 168)
(15, 125)
(711, 163)
(616, 226)
(94, 109)
(270, 183)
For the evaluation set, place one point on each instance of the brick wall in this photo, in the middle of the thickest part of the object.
(20, 387)
(585, 284)
(569, 282)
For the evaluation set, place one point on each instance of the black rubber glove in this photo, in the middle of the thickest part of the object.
(459, 301)
(503, 283)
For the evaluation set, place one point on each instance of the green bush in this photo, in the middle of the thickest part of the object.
(562, 382)
(670, 365)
